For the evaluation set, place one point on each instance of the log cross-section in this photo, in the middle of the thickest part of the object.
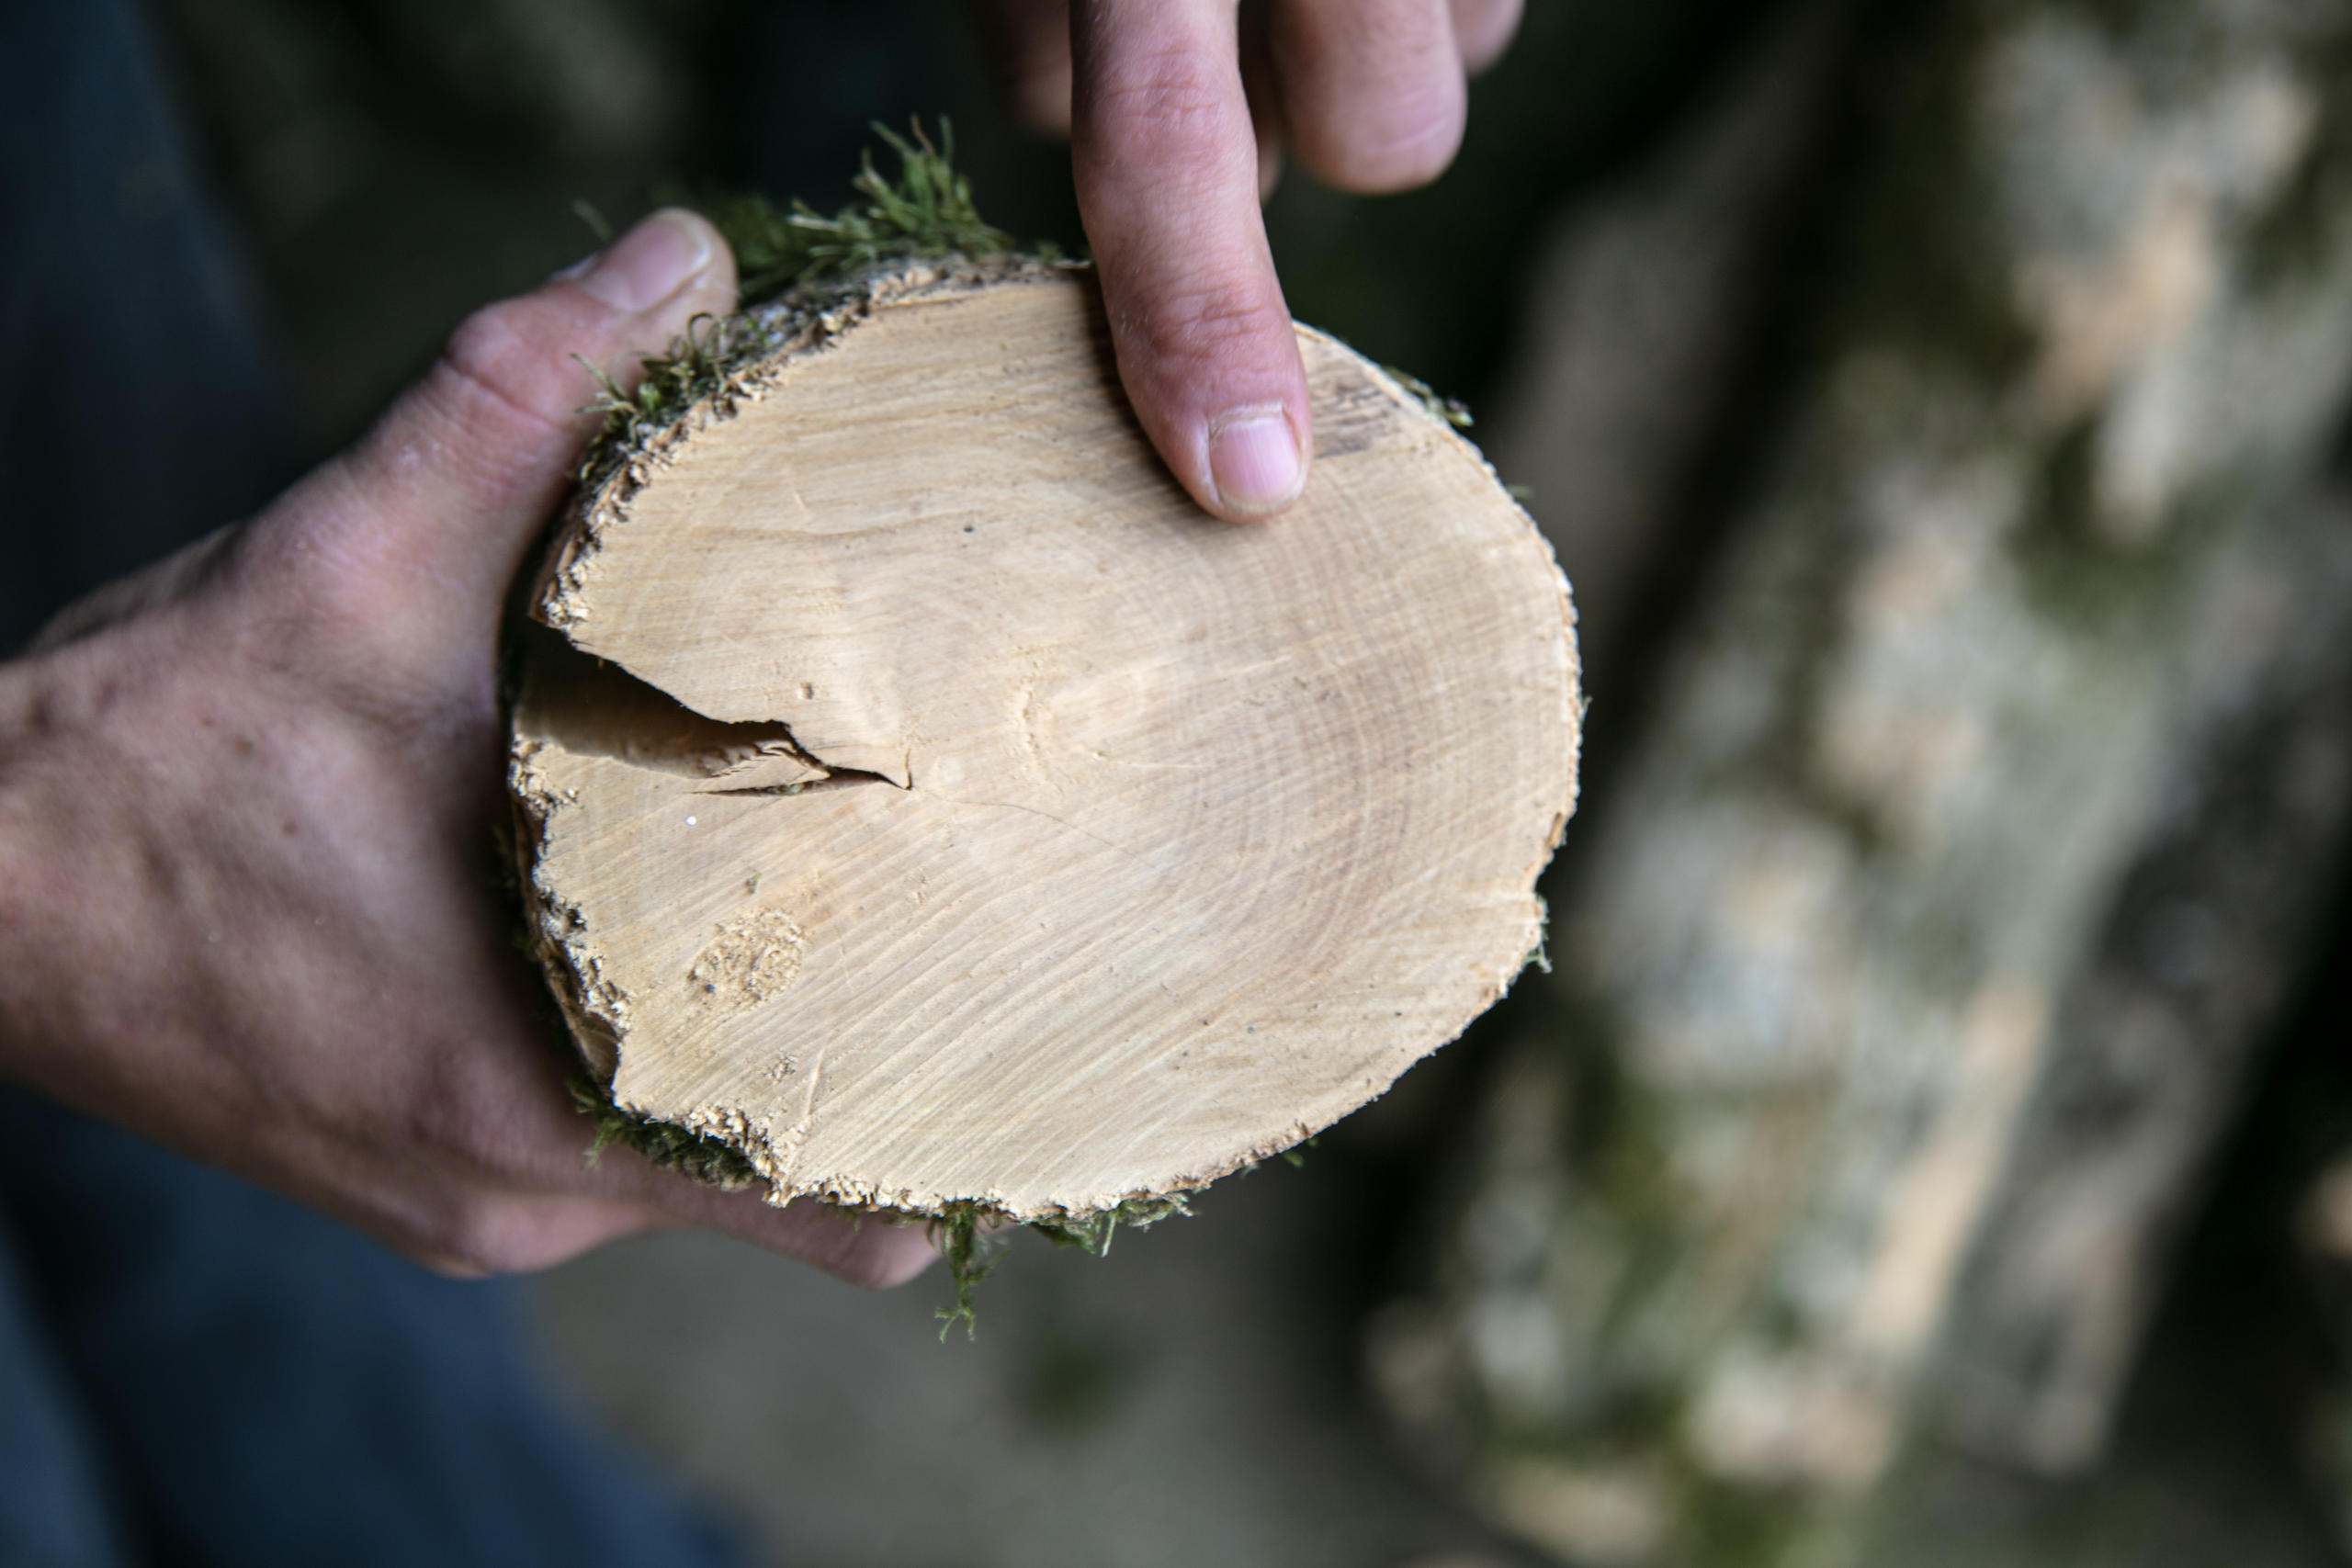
(952, 813)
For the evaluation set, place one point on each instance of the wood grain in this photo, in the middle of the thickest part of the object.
(961, 815)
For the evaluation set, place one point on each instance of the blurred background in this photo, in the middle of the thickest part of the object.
(1931, 1142)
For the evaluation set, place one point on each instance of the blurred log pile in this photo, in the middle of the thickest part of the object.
(1955, 848)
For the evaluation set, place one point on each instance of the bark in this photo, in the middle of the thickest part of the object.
(1833, 961)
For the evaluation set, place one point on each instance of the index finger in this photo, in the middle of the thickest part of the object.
(1166, 163)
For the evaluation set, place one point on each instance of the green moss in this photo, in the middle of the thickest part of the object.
(972, 1237)
(697, 1154)
(792, 263)
(1092, 1233)
(926, 211)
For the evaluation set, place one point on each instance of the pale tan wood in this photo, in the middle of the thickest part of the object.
(978, 820)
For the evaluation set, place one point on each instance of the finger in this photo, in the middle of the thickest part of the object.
(1372, 92)
(530, 1194)
(432, 512)
(1483, 30)
(1167, 167)
(865, 1249)
(874, 1250)
(1027, 45)
(508, 1234)
(633, 1192)
(515, 1235)
(1258, 81)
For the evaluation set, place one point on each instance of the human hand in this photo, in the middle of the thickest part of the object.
(1179, 112)
(247, 889)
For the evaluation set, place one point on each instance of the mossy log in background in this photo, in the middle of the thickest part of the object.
(1800, 1155)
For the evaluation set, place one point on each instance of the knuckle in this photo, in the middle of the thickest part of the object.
(485, 336)
(495, 365)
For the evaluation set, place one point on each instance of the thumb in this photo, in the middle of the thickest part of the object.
(430, 514)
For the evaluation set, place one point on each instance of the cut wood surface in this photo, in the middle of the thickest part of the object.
(952, 813)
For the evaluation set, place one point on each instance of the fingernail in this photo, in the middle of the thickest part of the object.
(1253, 460)
(649, 262)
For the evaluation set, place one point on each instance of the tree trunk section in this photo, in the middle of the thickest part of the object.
(951, 816)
